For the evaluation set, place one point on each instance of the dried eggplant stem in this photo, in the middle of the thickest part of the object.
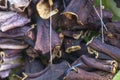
(83, 75)
(71, 45)
(43, 8)
(99, 55)
(110, 50)
(72, 34)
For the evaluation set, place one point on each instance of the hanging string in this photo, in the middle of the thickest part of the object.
(100, 18)
(50, 36)
(101, 14)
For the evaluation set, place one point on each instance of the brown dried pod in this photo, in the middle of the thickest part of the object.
(3, 4)
(52, 72)
(83, 75)
(19, 5)
(10, 20)
(45, 10)
(113, 35)
(80, 10)
(110, 50)
(94, 63)
(43, 37)
(71, 45)
(12, 44)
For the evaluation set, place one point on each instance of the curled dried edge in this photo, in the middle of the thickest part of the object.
(45, 9)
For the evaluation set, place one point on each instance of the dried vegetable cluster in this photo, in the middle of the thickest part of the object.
(25, 41)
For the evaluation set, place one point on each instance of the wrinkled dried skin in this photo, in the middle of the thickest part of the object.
(18, 33)
(107, 75)
(110, 50)
(103, 56)
(33, 65)
(83, 75)
(43, 37)
(71, 45)
(12, 52)
(12, 44)
(43, 7)
(93, 20)
(3, 4)
(19, 5)
(113, 35)
(10, 20)
(52, 72)
(80, 9)
(93, 63)
(4, 74)
(11, 62)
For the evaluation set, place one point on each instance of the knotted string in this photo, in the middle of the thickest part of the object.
(72, 68)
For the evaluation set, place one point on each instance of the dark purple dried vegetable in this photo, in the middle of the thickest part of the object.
(10, 20)
(43, 37)
(83, 75)
(113, 35)
(16, 33)
(52, 72)
(79, 9)
(110, 50)
(71, 45)
(94, 63)
(12, 44)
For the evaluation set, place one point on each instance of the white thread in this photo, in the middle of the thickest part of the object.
(100, 18)
(102, 29)
(50, 36)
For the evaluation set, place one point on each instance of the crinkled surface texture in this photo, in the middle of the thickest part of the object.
(10, 20)
(19, 5)
(43, 37)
